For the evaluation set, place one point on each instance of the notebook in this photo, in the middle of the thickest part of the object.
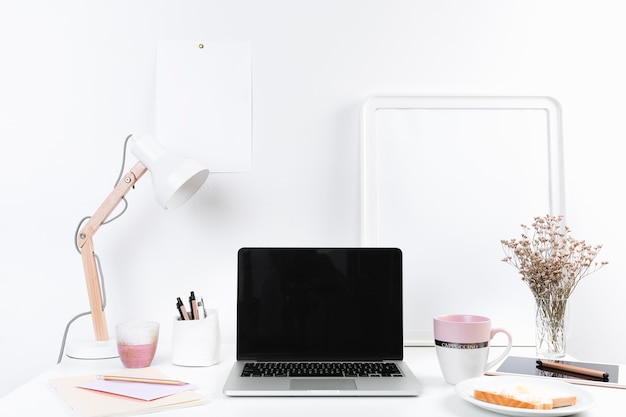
(320, 322)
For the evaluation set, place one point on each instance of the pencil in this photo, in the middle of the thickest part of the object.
(138, 379)
(572, 368)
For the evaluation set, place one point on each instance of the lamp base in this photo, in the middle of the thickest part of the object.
(91, 349)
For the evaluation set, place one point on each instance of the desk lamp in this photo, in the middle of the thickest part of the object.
(175, 180)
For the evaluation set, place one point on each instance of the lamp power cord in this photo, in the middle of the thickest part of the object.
(99, 266)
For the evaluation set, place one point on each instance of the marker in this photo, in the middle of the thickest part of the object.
(194, 307)
(142, 380)
(572, 368)
(181, 309)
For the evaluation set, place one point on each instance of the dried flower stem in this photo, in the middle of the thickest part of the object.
(550, 322)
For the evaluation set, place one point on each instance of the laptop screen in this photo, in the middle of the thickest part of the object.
(319, 304)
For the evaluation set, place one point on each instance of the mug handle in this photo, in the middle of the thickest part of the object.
(494, 331)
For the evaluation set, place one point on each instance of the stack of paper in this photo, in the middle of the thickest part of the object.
(88, 396)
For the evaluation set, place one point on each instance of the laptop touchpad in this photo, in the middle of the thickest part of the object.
(322, 384)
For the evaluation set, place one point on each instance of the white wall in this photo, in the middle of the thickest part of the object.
(76, 77)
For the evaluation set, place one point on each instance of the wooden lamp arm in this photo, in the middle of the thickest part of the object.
(84, 240)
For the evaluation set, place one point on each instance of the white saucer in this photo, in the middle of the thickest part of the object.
(465, 390)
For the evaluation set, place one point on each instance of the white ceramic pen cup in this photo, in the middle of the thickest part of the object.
(196, 342)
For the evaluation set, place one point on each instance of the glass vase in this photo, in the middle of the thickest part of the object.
(551, 324)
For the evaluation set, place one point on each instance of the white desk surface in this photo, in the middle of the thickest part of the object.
(38, 398)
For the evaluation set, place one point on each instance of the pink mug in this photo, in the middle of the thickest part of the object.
(462, 345)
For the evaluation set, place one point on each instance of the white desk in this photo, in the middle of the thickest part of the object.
(38, 398)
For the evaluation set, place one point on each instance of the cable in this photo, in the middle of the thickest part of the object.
(98, 264)
(119, 177)
(67, 329)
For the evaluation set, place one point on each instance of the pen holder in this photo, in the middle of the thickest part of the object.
(196, 342)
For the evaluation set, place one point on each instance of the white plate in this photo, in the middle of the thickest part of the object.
(465, 390)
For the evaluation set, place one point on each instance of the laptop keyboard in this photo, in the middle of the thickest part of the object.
(320, 369)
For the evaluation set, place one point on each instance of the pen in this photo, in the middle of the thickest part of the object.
(203, 307)
(143, 380)
(574, 369)
(194, 307)
(181, 309)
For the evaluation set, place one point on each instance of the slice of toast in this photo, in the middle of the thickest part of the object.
(521, 396)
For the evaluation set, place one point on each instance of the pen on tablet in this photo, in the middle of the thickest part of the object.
(181, 309)
(143, 380)
(573, 368)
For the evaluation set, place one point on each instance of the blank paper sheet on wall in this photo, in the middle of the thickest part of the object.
(204, 102)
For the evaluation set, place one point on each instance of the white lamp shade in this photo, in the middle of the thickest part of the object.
(174, 179)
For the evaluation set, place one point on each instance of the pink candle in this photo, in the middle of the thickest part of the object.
(137, 343)
(137, 356)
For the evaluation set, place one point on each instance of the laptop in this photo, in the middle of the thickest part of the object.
(320, 322)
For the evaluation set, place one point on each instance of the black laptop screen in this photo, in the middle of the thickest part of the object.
(319, 304)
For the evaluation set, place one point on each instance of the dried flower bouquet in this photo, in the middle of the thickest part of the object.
(552, 263)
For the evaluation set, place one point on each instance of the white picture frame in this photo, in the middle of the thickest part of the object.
(445, 178)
